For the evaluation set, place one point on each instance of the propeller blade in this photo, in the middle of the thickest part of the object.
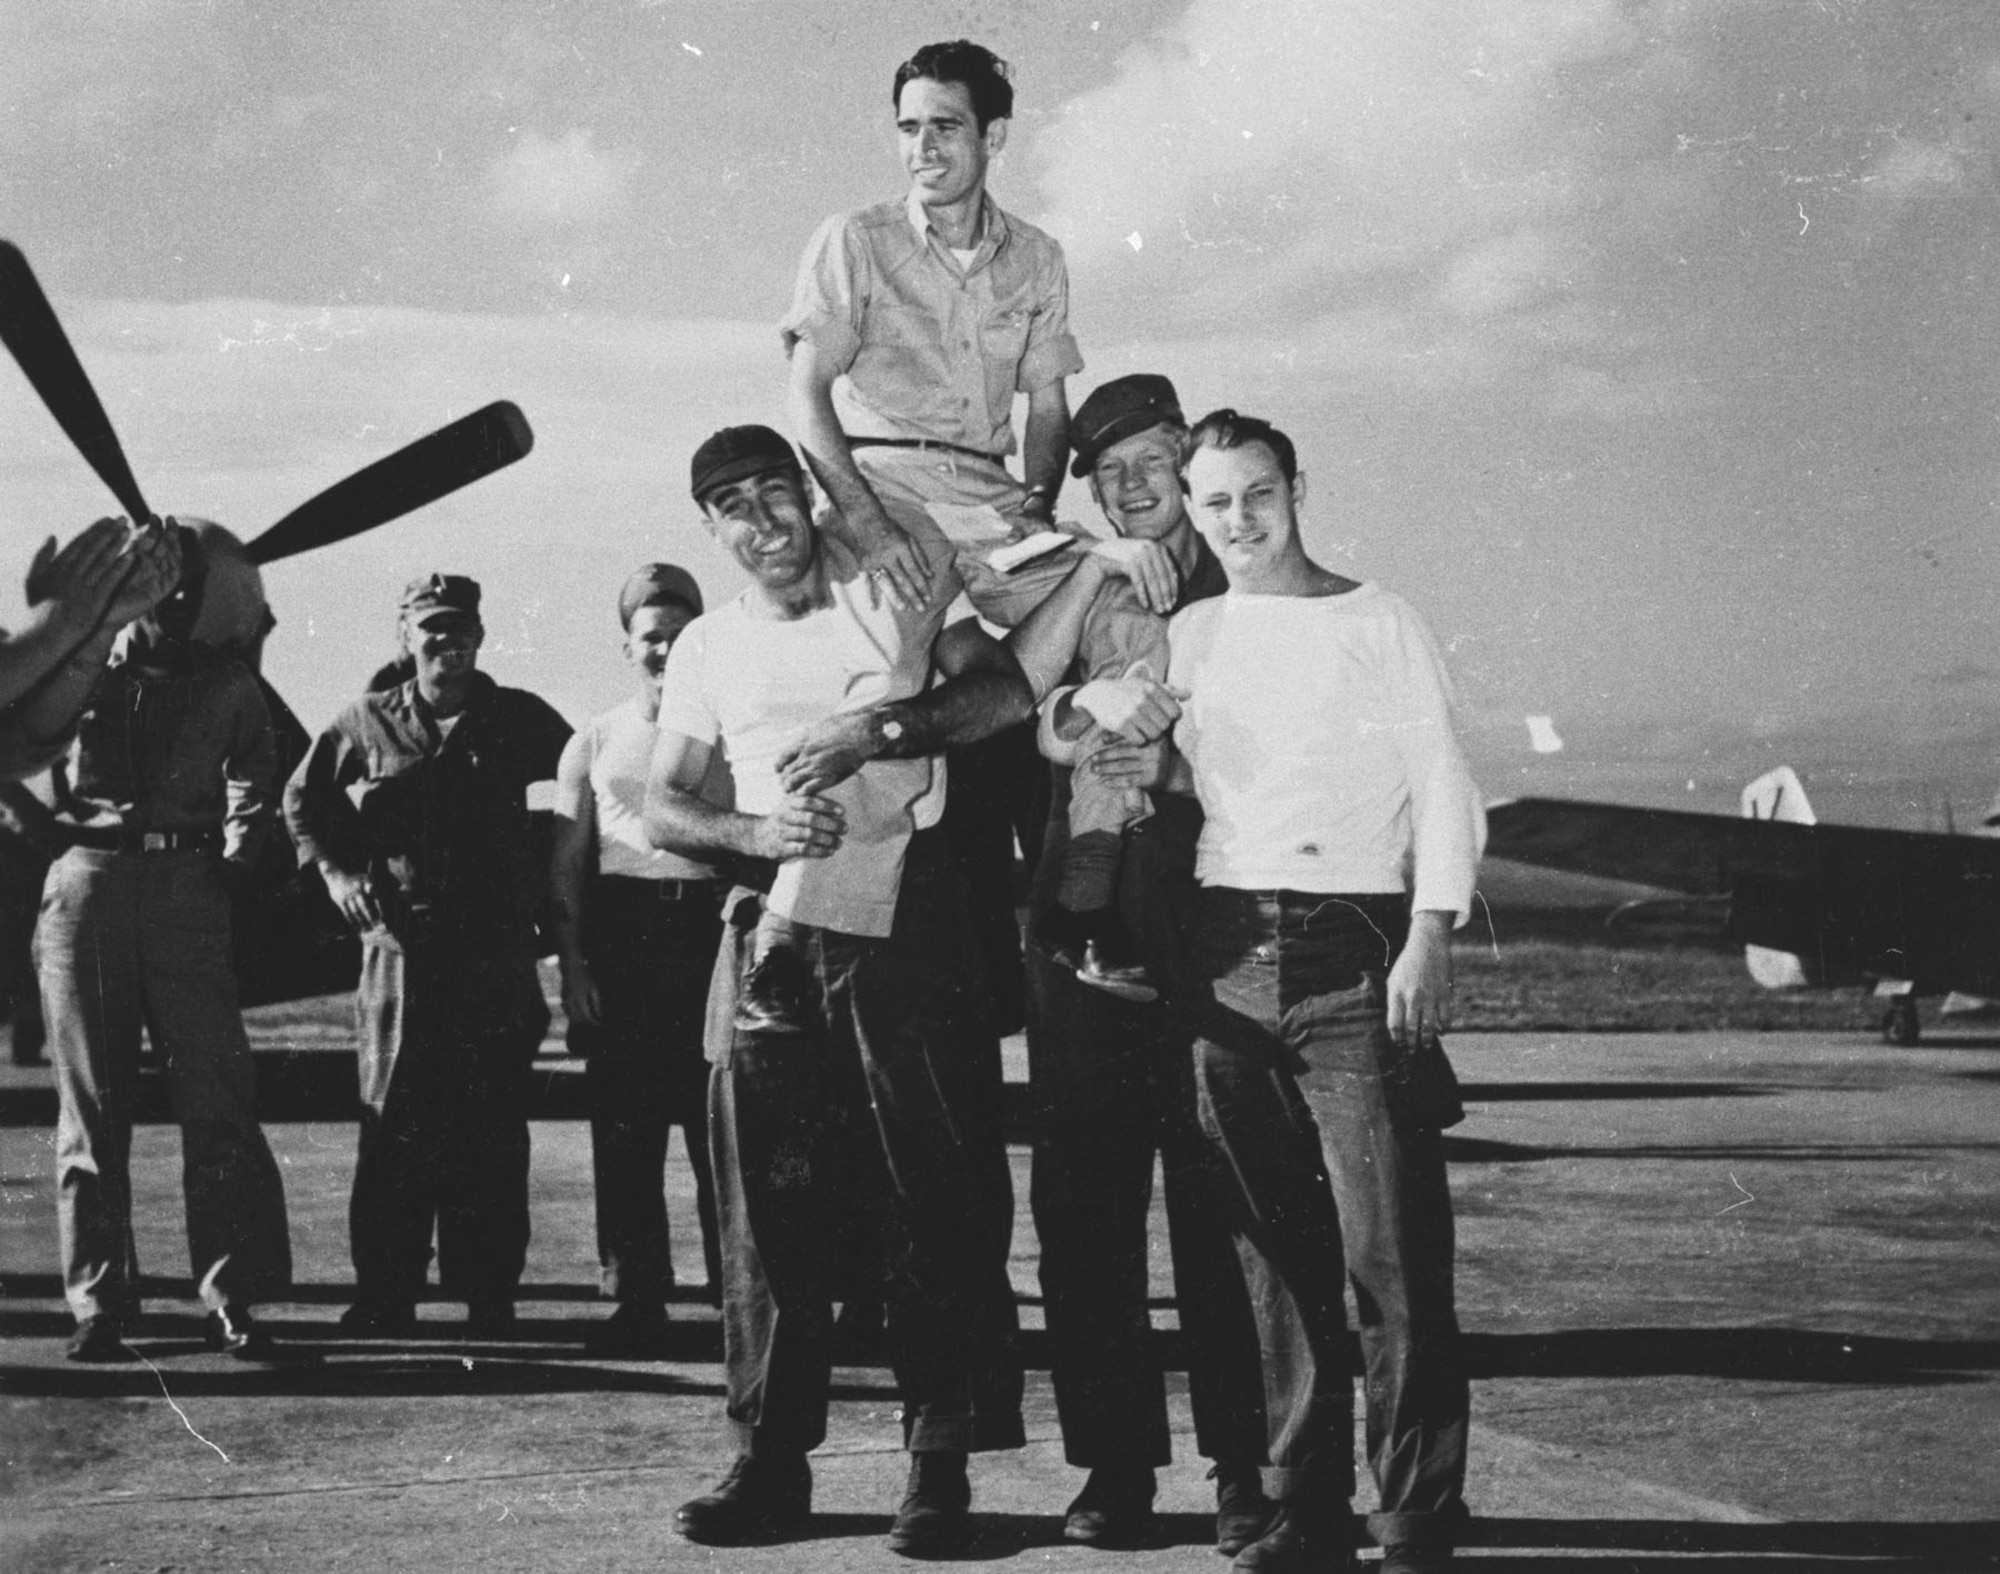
(432, 467)
(31, 331)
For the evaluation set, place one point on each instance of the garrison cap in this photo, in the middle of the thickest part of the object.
(654, 584)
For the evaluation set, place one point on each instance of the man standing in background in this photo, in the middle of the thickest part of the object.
(636, 932)
(414, 806)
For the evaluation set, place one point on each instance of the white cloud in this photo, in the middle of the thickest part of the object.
(544, 182)
(1414, 193)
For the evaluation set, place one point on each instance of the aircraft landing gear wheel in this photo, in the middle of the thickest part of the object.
(1899, 1023)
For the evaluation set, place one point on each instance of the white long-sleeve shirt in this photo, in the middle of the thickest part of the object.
(1320, 734)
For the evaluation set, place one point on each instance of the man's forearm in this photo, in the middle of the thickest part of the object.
(678, 821)
(1045, 449)
(826, 449)
(971, 706)
(47, 710)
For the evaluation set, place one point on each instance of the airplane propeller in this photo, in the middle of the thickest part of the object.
(434, 466)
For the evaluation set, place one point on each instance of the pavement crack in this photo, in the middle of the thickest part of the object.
(177, 1410)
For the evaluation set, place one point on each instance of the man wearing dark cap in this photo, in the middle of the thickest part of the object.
(1110, 1076)
(414, 806)
(636, 931)
(879, 1087)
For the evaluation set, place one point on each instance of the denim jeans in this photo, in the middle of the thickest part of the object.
(883, 1097)
(1334, 1135)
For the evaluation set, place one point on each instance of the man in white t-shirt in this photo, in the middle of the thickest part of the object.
(1340, 842)
(880, 1087)
(636, 933)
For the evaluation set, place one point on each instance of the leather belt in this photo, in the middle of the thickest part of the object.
(922, 442)
(669, 890)
(135, 839)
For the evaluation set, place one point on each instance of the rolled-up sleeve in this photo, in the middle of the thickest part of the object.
(830, 296)
(1051, 352)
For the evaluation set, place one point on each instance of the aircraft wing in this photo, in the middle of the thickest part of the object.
(1712, 854)
(1699, 854)
(1853, 900)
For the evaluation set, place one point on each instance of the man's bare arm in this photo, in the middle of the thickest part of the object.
(570, 853)
(1045, 448)
(982, 692)
(877, 540)
(678, 819)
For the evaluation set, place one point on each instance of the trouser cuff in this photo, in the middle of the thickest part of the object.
(1311, 1484)
(1436, 1531)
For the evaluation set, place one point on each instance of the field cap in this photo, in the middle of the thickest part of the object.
(655, 583)
(436, 593)
(736, 452)
(1116, 411)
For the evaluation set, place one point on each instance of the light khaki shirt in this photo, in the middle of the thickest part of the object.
(928, 348)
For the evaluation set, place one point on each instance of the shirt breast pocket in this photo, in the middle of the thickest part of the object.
(1005, 335)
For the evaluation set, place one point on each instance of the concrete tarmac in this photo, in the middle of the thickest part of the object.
(1733, 1303)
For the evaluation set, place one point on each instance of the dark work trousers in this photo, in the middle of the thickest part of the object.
(885, 1099)
(650, 946)
(999, 798)
(448, 1027)
(131, 939)
(1334, 1134)
(1113, 1084)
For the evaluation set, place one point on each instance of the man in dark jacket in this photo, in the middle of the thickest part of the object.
(414, 806)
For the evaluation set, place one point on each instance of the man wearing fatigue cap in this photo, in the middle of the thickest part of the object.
(1110, 1077)
(881, 1081)
(414, 806)
(636, 932)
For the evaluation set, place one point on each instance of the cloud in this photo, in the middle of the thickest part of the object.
(1422, 190)
(543, 182)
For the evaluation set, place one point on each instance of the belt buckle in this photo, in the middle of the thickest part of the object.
(155, 842)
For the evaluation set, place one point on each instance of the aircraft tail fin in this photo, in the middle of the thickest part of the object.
(1777, 795)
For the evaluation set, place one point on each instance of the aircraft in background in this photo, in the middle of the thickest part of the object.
(290, 941)
(1910, 913)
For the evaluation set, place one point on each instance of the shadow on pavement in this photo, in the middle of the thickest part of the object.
(1564, 1092)
(1482, 1150)
(1765, 1354)
(381, 1372)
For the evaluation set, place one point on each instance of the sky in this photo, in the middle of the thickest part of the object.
(1647, 348)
